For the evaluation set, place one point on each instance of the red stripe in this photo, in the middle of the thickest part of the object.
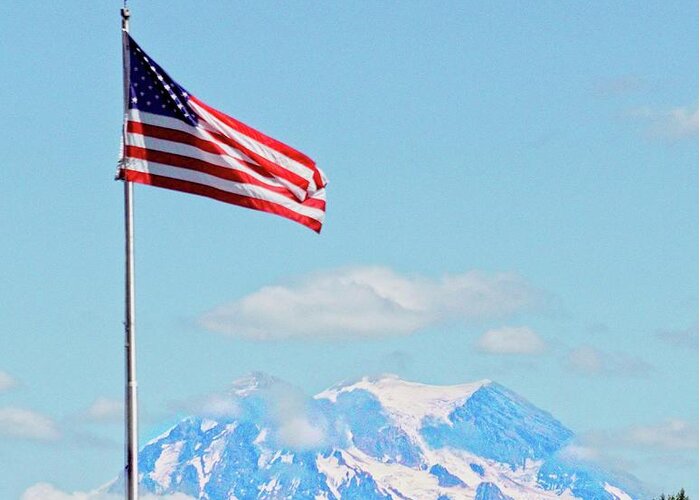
(217, 194)
(315, 203)
(263, 167)
(173, 135)
(272, 167)
(278, 146)
(198, 165)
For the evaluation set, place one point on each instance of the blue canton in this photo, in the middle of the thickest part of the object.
(153, 91)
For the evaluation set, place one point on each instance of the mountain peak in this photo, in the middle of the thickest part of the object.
(252, 382)
(412, 401)
(376, 438)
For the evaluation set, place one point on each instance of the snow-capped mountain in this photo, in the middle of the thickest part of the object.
(377, 438)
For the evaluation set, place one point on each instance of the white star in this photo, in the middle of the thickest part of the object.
(148, 103)
(134, 100)
(136, 84)
(143, 78)
(162, 105)
(157, 96)
(141, 94)
(167, 87)
(150, 87)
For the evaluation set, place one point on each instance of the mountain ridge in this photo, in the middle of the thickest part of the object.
(374, 438)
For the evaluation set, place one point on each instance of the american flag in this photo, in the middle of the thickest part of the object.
(175, 141)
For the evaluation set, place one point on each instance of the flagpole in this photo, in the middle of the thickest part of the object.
(131, 469)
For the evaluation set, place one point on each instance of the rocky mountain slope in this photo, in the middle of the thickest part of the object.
(376, 438)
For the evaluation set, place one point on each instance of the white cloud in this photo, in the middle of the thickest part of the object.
(106, 410)
(218, 406)
(368, 301)
(46, 491)
(673, 440)
(288, 408)
(297, 432)
(27, 424)
(510, 340)
(214, 405)
(580, 452)
(671, 124)
(671, 434)
(588, 360)
(290, 412)
(7, 382)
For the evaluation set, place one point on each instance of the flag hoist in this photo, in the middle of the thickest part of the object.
(173, 140)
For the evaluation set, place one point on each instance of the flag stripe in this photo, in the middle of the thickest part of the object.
(160, 139)
(258, 136)
(200, 165)
(260, 152)
(209, 191)
(238, 188)
(175, 141)
(165, 124)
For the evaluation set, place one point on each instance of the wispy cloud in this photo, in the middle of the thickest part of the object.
(588, 360)
(105, 410)
(368, 302)
(47, 491)
(212, 405)
(618, 86)
(287, 407)
(299, 433)
(684, 337)
(671, 124)
(510, 340)
(397, 360)
(577, 451)
(294, 425)
(668, 437)
(671, 434)
(27, 424)
(7, 382)
(672, 441)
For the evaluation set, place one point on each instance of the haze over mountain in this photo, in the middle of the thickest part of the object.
(375, 438)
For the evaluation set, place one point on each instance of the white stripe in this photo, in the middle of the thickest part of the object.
(200, 132)
(175, 124)
(257, 147)
(260, 193)
(319, 195)
(165, 146)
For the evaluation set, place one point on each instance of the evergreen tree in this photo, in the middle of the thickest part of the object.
(678, 496)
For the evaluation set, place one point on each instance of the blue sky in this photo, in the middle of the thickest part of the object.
(532, 165)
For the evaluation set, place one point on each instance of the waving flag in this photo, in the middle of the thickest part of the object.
(175, 141)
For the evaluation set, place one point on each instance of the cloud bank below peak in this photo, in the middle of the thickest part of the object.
(511, 340)
(47, 491)
(368, 302)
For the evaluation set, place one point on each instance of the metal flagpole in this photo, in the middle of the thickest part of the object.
(131, 469)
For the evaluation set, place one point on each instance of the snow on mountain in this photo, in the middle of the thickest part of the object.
(376, 438)
(409, 402)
